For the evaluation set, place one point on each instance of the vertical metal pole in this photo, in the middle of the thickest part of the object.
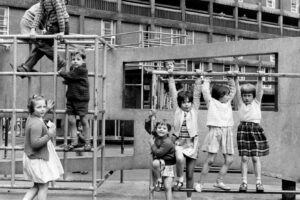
(13, 121)
(55, 82)
(29, 77)
(142, 87)
(95, 124)
(122, 129)
(153, 106)
(66, 128)
(103, 107)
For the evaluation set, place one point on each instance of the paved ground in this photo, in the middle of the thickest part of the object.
(135, 187)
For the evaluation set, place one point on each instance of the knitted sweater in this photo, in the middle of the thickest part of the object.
(78, 83)
(36, 138)
(56, 13)
(192, 119)
(163, 147)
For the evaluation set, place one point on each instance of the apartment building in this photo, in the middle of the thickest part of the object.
(148, 23)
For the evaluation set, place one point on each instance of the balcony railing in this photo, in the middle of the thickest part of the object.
(101, 5)
(136, 9)
(271, 29)
(168, 13)
(223, 21)
(197, 18)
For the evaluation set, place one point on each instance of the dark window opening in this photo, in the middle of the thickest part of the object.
(290, 21)
(227, 10)
(271, 18)
(197, 5)
(247, 14)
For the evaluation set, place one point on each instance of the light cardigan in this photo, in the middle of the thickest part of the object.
(192, 116)
(219, 114)
(251, 112)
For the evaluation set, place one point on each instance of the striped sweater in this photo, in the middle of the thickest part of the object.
(56, 12)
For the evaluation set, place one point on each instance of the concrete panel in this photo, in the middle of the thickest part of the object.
(281, 127)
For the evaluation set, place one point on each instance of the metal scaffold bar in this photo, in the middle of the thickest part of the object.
(187, 73)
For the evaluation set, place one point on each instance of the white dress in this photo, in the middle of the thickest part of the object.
(42, 171)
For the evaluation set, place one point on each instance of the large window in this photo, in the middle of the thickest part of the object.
(4, 21)
(137, 91)
(108, 28)
(295, 6)
(270, 3)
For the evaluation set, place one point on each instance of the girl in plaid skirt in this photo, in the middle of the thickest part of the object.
(251, 138)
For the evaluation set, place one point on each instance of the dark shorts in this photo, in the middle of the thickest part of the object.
(77, 107)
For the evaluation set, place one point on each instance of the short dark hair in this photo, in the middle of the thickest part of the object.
(163, 122)
(183, 95)
(32, 100)
(219, 91)
(248, 88)
(80, 52)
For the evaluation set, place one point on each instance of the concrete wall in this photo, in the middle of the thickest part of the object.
(281, 127)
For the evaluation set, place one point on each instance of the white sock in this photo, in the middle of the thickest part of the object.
(244, 180)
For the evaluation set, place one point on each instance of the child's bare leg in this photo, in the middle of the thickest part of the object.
(156, 170)
(31, 193)
(72, 129)
(168, 187)
(257, 168)
(244, 168)
(190, 166)
(210, 159)
(223, 171)
(43, 191)
(180, 161)
(85, 128)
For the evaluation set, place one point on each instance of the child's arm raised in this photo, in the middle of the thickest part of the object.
(172, 89)
(206, 91)
(197, 93)
(259, 88)
(232, 89)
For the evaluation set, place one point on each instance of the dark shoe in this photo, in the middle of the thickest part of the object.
(259, 188)
(158, 186)
(70, 147)
(21, 68)
(87, 147)
(178, 185)
(243, 187)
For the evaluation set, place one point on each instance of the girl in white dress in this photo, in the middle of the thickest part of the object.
(40, 161)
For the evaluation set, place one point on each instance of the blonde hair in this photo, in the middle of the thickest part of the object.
(248, 88)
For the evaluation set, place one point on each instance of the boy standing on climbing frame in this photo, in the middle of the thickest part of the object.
(78, 97)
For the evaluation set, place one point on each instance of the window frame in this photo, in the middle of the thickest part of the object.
(270, 3)
(295, 6)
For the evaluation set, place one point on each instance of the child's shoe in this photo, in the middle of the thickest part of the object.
(178, 185)
(221, 186)
(243, 187)
(198, 187)
(259, 188)
(70, 147)
(158, 186)
(87, 147)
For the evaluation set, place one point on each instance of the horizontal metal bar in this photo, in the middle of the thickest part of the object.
(218, 81)
(71, 180)
(39, 74)
(49, 188)
(251, 191)
(75, 36)
(185, 73)
(59, 111)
